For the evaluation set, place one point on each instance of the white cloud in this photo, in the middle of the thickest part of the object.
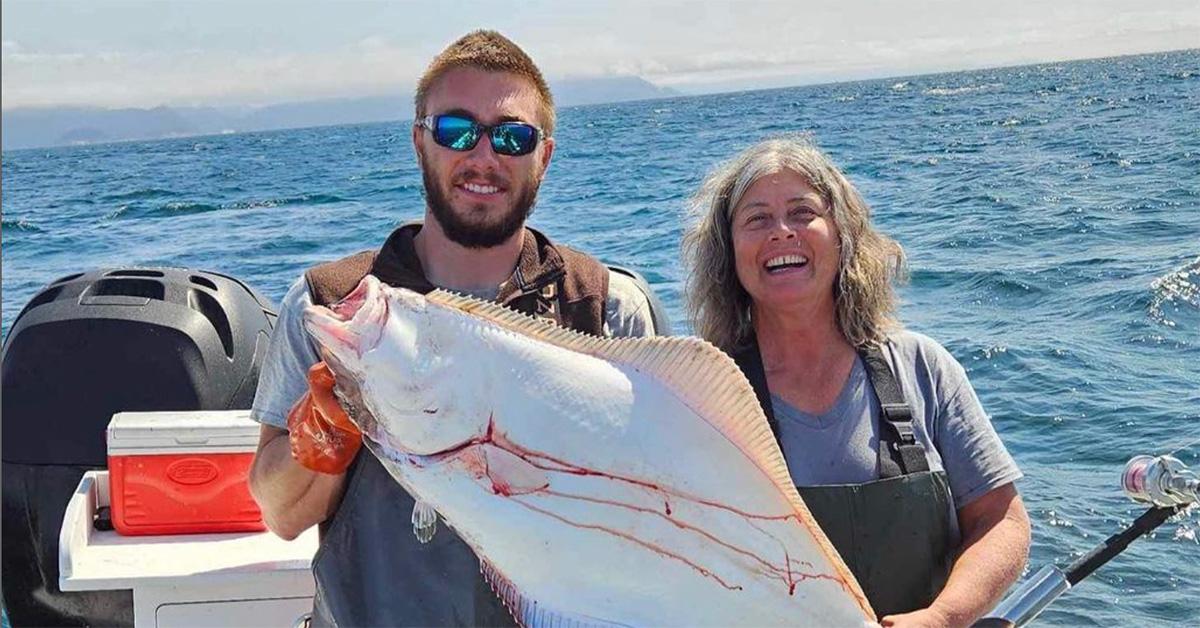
(670, 42)
(374, 43)
(118, 79)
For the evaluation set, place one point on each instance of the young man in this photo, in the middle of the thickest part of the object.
(483, 138)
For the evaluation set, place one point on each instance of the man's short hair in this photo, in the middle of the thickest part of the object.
(491, 52)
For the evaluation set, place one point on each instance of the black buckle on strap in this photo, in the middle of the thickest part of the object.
(899, 417)
(906, 433)
(896, 412)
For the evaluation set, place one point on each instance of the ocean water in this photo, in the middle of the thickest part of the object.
(1051, 215)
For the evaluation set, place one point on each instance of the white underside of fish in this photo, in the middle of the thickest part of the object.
(600, 481)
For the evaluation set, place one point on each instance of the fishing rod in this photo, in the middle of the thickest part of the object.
(1164, 482)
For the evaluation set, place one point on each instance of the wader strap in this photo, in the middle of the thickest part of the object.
(750, 361)
(897, 439)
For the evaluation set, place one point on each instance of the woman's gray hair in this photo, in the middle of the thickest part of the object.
(870, 261)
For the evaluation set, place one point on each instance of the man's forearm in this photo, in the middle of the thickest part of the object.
(994, 551)
(292, 497)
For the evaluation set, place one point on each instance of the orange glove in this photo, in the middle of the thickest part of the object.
(321, 434)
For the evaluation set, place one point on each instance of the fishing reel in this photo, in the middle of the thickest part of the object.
(1162, 481)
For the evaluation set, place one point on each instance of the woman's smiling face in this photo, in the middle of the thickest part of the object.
(785, 242)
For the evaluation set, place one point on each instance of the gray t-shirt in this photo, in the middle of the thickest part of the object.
(841, 446)
(291, 352)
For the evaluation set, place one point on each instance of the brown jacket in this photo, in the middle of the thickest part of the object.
(550, 280)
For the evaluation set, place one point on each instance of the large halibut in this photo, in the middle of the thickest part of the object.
(599, 481)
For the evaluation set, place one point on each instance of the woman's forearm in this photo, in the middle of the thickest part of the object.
(994, 549)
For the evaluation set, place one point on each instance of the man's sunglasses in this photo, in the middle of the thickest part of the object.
(462, 134)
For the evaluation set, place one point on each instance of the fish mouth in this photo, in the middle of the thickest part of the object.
(350, 304)
(354, 324)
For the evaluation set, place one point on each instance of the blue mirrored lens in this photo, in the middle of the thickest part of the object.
(514, 138)
(462, 134)
(456, 133)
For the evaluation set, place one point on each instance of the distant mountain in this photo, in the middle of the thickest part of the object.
(591, 91)
(71, 125)
(56, 126)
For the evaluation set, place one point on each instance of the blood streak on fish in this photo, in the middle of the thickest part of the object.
(497, 439)
(784, 573)
(543, 461)
(629, 537)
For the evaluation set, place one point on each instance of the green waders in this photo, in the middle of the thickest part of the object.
(892, 533)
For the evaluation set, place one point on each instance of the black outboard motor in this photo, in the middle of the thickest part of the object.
(88, 346)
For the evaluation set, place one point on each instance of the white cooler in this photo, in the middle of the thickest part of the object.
(226, 579)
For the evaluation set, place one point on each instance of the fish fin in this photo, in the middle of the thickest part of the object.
(424, 521)
(528, 612)
(702, 376)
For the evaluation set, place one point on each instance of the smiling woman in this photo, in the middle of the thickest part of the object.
(798, 180)
(785, 241)
(881, 430)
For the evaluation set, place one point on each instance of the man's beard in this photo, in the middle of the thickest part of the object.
(477, 234)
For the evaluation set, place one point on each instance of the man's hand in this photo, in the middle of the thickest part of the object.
(322, 436)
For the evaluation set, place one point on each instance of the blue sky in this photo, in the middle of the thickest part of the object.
(146, 53)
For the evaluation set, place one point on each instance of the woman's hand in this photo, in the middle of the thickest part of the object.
(925, 618)
(995, 544)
